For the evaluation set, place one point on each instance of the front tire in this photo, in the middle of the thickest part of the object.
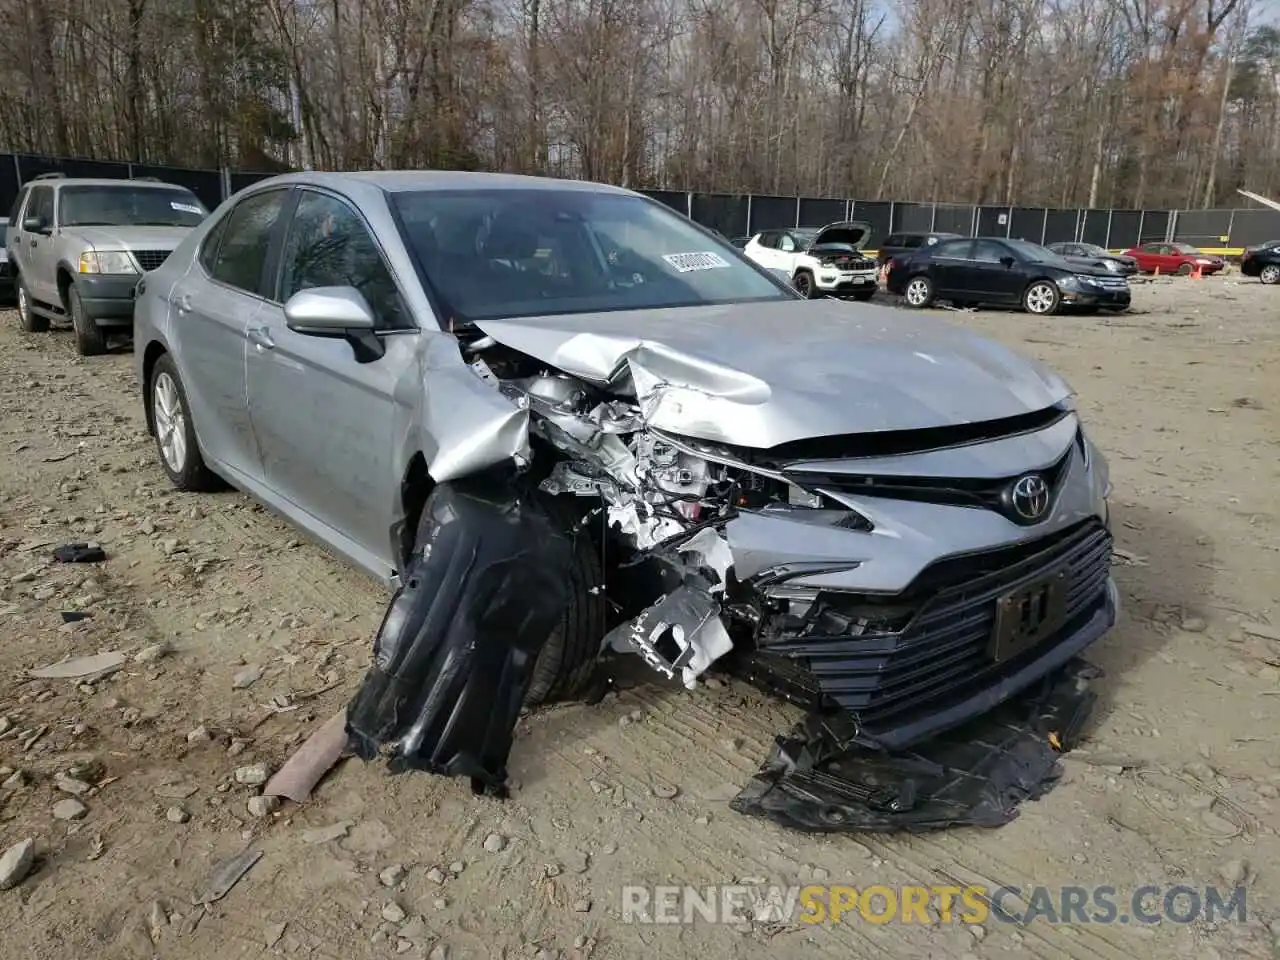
(175, 433)
(918, 293)
(27, 319)
(803, 282)
(1042, 298)
(1185, 270)
(90, 341)
(1270, 274)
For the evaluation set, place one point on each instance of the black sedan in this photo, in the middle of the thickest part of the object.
(1094, 255)
(999, 271)
(1262, 262)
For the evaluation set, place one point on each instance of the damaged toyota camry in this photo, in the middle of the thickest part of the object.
(568, 425)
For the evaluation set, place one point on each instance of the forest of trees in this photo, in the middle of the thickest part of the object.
(1127, 103)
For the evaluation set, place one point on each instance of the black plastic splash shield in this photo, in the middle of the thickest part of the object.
(454, 656)
(974, 775)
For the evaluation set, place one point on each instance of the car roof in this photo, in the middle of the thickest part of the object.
(101, 182)
(400, 181)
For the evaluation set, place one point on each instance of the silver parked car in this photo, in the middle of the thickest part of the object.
(77, 247)
(870, 512)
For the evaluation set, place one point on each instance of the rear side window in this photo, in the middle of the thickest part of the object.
(769, 239)
(912, 240)
(209, 248)
(988, 250)
(246, 241)
(893, 240)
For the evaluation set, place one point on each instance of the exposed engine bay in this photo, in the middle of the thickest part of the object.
(711, 553)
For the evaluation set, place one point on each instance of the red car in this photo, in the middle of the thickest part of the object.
(1173, 258)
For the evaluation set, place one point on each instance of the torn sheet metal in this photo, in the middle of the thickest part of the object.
(681, 634)
(974, 775)
(455, 653)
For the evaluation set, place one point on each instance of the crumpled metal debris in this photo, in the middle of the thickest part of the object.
(79, 553)
(454, 657)
(974, 775)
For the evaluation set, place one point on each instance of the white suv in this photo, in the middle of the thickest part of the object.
(820, 262)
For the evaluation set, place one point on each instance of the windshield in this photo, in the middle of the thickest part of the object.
(805, 235)
(1185, 248)
(490, 254)
(129, 206)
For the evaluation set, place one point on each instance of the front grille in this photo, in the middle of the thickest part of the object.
(848, 262)
(1112, 283)
(886, 657)
(151, 259)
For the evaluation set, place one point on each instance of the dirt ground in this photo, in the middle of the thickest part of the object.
(1177, 783)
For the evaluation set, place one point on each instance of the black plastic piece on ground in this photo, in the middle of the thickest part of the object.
(454, 657)
(79, 553)
(974, 775)
(74, 616)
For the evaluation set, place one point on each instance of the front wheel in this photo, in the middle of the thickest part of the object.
(175, 433)
(1270, 274)
(1185, 270)
(803, 282)
(919, 292)
(90, 341)
(1042, 298)
(27, 318)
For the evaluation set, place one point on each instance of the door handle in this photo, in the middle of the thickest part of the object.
(33, 242)
(261, 338)
(183, 302)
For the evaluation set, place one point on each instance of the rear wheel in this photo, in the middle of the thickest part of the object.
(27, 318)
(918, 292)
(1270, 274)
(1042, 298)
(89, 337)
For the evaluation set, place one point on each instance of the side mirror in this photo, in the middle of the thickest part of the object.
(1008, 261)
(328, 312)
(33, 224)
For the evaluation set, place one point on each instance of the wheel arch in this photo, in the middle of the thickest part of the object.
(65, 279)
(155, 350)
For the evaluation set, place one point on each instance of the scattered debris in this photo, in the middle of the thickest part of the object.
(152, 653)
(272, 934)
(79, 553)
(175, 791)
(226, 874)
(309, 763)
(74, 616)
(157, 920)
(392, 912)
(77, 788)
(246, 678)
(78, 668)
(177, 815)
(495, 843)
(1127, 558)
(263, 806)
(664, 790)
(335, 831)
(16, 863)
(199, 735)
(253, 775)
(69, 809)
(392, 875)
(1234, 872)
(1194, 624)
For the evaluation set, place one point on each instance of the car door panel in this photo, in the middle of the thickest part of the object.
(324, 420)
(990, 279)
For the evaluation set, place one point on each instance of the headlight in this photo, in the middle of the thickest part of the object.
(1204, 263)
(1086, 281)
(107, 261)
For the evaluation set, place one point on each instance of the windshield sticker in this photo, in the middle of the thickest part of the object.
(688, 262)
(184, 207)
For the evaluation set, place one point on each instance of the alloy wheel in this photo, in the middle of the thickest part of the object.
(1041, 298)
(918, 292)
(1270, 273)
(170, 422)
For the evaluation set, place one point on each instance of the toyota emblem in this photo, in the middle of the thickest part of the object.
(1030, 497)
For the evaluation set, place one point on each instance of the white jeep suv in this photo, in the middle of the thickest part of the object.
(820, 262)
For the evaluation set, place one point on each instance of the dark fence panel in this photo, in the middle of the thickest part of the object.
(205, 184)
(1027, 223)
(1093, 226)
(1060, 226)
(31, 167)
(1126, 225)
(1155, 224)
(723, 212)
(912, 217)
(953, 218)
(242, 179)
(878, 213)
(815, 212)
(1252, 227)
(771, 213)
(9, 184)
(1202, 228)
(993, 221)
(674, 199)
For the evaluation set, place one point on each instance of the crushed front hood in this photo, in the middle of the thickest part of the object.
(761, 374)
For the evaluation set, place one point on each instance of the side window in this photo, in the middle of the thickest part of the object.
(912, 240)
(988, 251)
(953, 249)
(769, 239)
(1152, 248)
(212, 240)
(788, 244)
(246, 240)
(329, 246)
(893, 240)
(41, 205)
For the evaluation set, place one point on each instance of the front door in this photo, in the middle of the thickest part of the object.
(36, 260)
(988, 277)
(324, 419)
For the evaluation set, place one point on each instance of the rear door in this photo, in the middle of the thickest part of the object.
(324, 419)
(212, 307)
(948, 266)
